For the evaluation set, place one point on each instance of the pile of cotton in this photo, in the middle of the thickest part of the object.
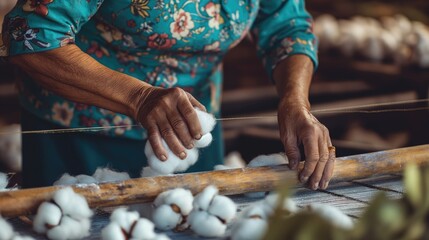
(7, 233)
(101, 175)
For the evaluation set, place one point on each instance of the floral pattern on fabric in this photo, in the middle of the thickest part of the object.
(166, 43)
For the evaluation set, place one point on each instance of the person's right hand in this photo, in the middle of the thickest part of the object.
(169, 114)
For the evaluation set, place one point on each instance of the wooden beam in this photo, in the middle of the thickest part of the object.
(235, 181)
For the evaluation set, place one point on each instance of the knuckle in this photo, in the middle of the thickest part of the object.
(167, 132)
(177, 92)
(178, 124)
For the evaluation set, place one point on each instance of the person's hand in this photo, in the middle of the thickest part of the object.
(169, 114)
(298, 126)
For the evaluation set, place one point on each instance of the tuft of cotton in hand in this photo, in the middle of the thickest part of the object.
(207, 121)
(107, 175)
(4, 181)
(331, 214)
(211, 213)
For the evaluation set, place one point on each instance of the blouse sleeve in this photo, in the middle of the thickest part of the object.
(40, 25)
(283, 28)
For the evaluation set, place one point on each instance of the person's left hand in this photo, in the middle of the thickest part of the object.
(298, 126)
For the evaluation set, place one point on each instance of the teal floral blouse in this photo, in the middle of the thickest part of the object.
(167, 43)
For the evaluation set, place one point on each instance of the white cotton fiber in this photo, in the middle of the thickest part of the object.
(70, 228)
(66, 179)
(207, 121)
(181, 197)
(85, 179)
(108, 175)
(249, 229)
(72, 203)
(161, 237)
(112, 232)
(19, 237)
(223, 208)
(204, 141)
(124, 218)
(165, 218)
(4, 181)
(143, 229)
(268, 160)
(331, 214)
(206, 225)
(272, 200)
(258, 210)
(203, 199)
(6, 230)
(47, 214)
(10, 147)
(149, 172)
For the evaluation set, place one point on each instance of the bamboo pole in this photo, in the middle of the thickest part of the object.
(229, 182)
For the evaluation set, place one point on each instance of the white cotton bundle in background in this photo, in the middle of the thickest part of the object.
(327, 29)
(149, 172)
(232, 160)
(6, 230)
(172, 207)
(211, 213)
(331, 214)
(174, 163)
(66, 216)
(107, 175)
(266, 160)
(10, 147)
(126, 225)
(4, 181)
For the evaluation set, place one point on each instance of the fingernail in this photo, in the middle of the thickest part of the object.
(163, 158)
(190, 146)
(198, 136)
(303, 179)
(326, 185)
(322, 184)
(315, 186)
(182, 155)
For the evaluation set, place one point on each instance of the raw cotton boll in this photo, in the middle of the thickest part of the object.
(124, 218)
(221, 167)
(107, 175)
(288, 204)
(257, 210)
(66, 180)
(72, 203)
(403, 23)
(389, 42)
(234, 160)
(6, 230)
(203, 199)
(223, 208)
(112, 232)
(85, 179)
(70, 228)
(207, 121)
(180, 197)
(421, 49)
(143, 229)
(165, 218)
(268, 160)
(331, 214)
(149, 172)
(204, 141)
(48, 214)
(327, 30)
(10, 148)
(4, 181)
(249, 229)
(402, 56)
(373, 48)
(206, 225)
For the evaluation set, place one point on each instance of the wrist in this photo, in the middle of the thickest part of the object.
(294, 102)
(139, 99)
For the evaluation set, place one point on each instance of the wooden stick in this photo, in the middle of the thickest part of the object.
(235, 181)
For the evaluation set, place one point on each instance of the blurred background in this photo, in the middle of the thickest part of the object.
(371, 52)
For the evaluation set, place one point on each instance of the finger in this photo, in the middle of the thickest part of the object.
(154, 138)
(191, 118)
(329, 168)
(181, 130)
(196, 103)
(292, 151)
(170, 138)
(311, 150)
(323, 159)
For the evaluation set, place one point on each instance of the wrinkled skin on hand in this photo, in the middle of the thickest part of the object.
(169, 114)
(298, 126)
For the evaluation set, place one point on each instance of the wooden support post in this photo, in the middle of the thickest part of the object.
(234, 181)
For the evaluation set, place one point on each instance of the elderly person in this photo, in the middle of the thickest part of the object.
(92, 63)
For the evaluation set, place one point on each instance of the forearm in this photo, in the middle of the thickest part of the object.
(293, 78)
(73, 74)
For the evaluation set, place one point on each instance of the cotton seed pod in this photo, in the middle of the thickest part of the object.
(70, 228)
(108, 175)
(124, 218)
(66, 180)
(6, 230)
(112, 232)
(207, 121)
(143, 229)
(204, 141)
(203, 199)
(48, 216)
(249, 229)
(205, 224)
(165, 218)
(331, 214)
(223, 208)
(72, 203)
(180, 197)
(4, 181)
